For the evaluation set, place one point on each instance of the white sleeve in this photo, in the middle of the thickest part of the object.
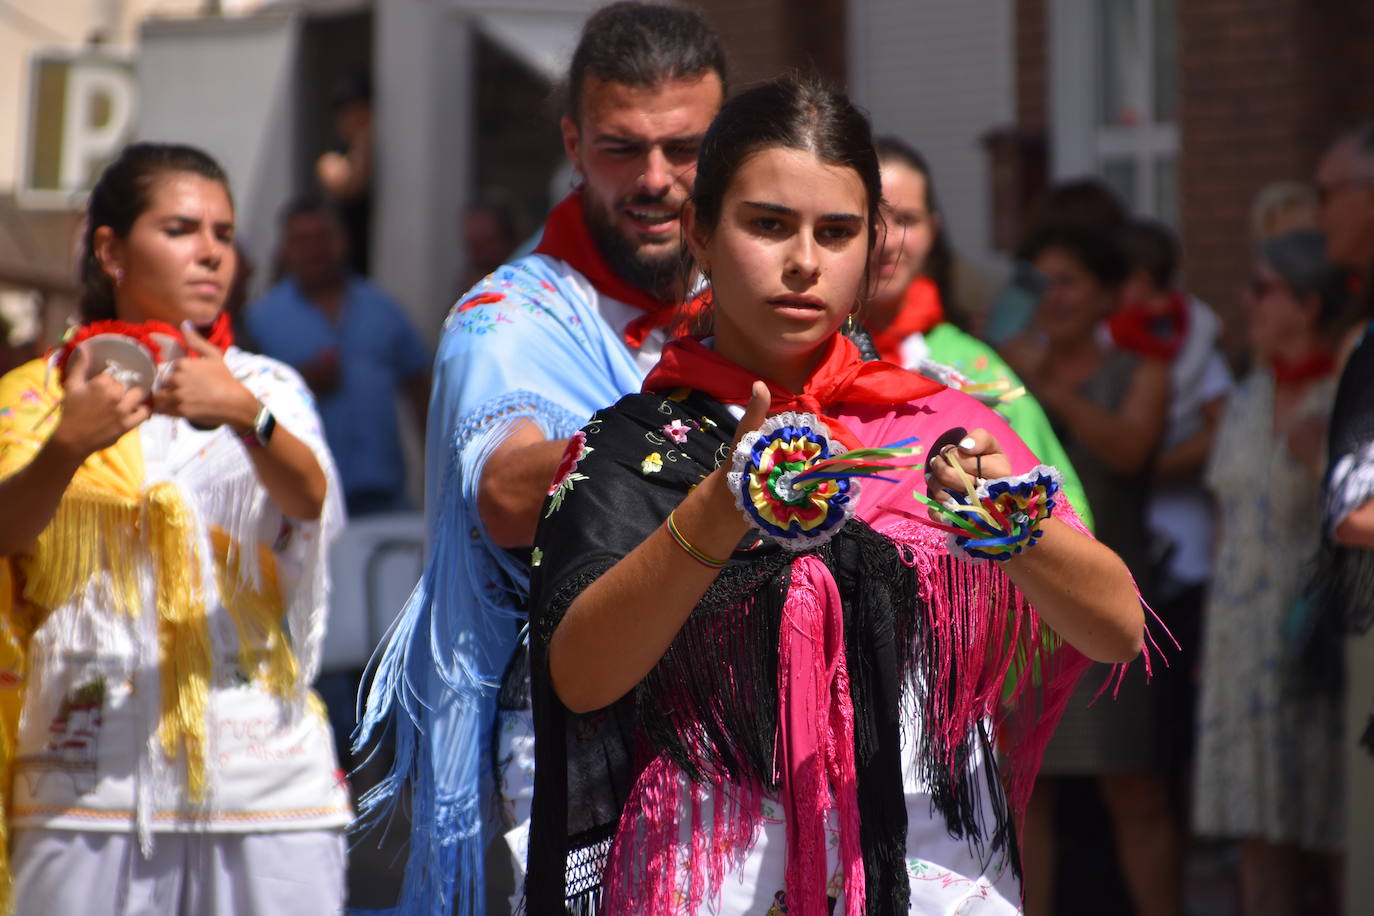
(1216, 381)
(304, 560)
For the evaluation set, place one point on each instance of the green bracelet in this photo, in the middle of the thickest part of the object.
(691, 551)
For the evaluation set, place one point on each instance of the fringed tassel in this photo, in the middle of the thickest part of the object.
(1027, 674)
(91, 532)
(447, 838)
(816, 740)
(438, 670)
(185, 655)
(641, 875)
(307, 613)
(444, 876)
(16, 627)
(256, 610)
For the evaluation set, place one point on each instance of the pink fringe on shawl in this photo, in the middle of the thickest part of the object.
(1026, 677)
(817, 773)
(1028, 673)
(816, 741)
(642, 874)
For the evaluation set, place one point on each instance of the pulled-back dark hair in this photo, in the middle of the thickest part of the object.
(1151, 246)
(787, 113)
(119, 199)
(939, 266)
(1100, 254)
(642, 45)
(1087, 203)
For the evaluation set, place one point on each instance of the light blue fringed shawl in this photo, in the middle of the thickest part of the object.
(527, 343)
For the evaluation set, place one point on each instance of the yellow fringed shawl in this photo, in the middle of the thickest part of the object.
(107, 522)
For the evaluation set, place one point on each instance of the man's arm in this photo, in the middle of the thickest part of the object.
(515, 481)
(1186, 459)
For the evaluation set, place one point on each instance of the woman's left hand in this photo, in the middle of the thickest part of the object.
(203, 390)
(979, 455)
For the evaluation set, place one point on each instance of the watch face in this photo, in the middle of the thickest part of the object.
(124, 358)
(266, 425)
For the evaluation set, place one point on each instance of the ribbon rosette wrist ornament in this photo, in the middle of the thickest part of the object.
(797, 485)
(996, 519)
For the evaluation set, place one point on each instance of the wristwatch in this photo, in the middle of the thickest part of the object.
(264, 424)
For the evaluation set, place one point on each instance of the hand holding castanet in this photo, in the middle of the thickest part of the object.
(976, 452)
(96, 412)
(203, 390)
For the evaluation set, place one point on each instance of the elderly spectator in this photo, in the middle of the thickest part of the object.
(1268, 763)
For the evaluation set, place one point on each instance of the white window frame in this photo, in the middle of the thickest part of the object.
(1079, 143)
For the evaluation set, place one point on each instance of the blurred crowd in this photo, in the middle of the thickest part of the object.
(1209, 472)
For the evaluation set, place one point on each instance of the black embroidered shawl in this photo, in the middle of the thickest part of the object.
(1345, 575)
(710, 705)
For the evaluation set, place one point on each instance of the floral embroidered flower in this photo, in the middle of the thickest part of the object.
(536, 557)
(567, 474)
(677, 431)
(652, 464)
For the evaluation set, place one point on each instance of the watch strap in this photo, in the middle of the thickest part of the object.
(264, 424)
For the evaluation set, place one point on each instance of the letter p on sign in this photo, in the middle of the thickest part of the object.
(82, 110)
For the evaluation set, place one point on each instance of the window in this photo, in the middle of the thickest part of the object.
(1114, 98)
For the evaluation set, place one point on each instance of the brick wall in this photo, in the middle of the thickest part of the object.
(1264, 84)
(764, 38)
(1032, 68)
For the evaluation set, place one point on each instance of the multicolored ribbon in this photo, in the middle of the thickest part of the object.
(995, 519)
(992, 393)
(798, 486)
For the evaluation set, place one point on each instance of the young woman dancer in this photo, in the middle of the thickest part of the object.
(726, 724)
(166, 500)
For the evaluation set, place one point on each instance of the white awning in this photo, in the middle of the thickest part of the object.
(544, 42)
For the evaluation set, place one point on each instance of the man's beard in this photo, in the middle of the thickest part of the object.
(658, 273)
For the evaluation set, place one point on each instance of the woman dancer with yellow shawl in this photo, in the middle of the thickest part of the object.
(165, 504)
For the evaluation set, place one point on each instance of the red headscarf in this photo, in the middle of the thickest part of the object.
(566, 238)
(920, 311)
(843, 376)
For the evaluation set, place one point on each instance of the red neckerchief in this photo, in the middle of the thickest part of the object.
(220, 333)
(1316, 364)
(919, 312)
(566, 238)
(1139, 329)
(843, 376)
(1355, 283)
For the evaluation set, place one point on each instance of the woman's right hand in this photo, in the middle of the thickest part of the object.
(96, 412)
(720, 498)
